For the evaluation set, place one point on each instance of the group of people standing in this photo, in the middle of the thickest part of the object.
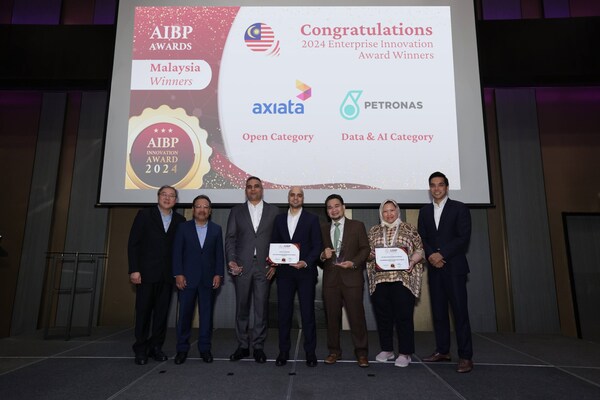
(164, 247)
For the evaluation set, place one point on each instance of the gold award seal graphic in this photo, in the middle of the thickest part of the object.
(166, 146)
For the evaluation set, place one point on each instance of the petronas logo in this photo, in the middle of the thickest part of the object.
(350, 108)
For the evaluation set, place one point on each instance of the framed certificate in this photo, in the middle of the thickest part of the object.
(391, 258)
(284, 253)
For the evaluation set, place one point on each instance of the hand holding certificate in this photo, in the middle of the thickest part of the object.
(391, 258)
(284, 253)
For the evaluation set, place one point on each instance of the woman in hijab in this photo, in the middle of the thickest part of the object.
(393, 292)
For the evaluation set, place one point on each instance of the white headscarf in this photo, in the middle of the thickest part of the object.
(383, 222)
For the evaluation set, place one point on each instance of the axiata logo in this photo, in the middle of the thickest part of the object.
(289, 107)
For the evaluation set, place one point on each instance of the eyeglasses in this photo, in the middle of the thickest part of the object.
(201, 206)
(167, 196)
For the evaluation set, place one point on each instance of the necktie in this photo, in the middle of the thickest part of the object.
(336, 237)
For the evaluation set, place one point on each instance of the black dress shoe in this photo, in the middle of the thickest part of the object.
(282, 358)
(141, 359)
(158, 355)
(180, 357)
(259, 356)
(206, 356)
(311, 359)
(240, 353)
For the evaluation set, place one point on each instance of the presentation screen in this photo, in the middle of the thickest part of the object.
(357, 98)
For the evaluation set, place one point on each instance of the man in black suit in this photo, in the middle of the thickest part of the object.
(247, 241)
(445, 228)
(302, 228)
(149, 251)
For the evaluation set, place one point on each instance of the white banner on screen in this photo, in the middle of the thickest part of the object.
(399, 59)
(170, 74)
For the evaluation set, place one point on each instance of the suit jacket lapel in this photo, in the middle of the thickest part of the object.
(262, 217)
(344, 236)
(285, 227)
(195, 234)
(157, 219)
(327, 242)
(298, 225)
(447, 209)
(171, 225)
(246, 215)
(431, 218)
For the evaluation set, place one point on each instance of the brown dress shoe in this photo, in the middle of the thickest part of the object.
(332, 358)
(362, 361)
(464, 365)
(435, 357)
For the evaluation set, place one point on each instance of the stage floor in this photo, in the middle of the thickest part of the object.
(507, 366)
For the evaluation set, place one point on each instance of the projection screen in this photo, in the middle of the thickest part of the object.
(351, 97)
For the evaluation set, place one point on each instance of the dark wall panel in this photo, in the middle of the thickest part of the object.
(19, 120)
(39, 215)
(529, 250)
(583, 236)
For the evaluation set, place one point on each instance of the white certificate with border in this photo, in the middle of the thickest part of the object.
(391, 258)
(284, 253)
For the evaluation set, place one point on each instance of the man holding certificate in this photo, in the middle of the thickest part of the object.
(301, 229)
(394, 271)
(346, 248)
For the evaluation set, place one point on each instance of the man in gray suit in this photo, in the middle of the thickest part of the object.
(247, 247)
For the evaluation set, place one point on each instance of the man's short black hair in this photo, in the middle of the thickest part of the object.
(202, 196)
(167, 187)
(438, 174)
(334, 196)
(253, 178)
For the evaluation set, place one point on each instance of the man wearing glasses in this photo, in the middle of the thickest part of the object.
(149, 252)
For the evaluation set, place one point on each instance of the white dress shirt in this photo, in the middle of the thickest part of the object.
(256, 213)
(292, 222)
(437, 211)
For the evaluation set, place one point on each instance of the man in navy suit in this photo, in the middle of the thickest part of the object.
(149, 251)
(302, 228)
(445, 228)
(198, 261)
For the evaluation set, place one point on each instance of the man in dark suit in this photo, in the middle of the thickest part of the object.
(346, 248)
(299, 227)
(249, 229)
(198, 264)
(445, 228)
(149, 253)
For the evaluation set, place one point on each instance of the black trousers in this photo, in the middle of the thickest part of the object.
(152, 302)
(286, 291)
(394, 306)
(444, 289)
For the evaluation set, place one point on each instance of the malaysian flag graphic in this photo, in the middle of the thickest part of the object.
(260, 37)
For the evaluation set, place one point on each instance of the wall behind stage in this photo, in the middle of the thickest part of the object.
(48, 140)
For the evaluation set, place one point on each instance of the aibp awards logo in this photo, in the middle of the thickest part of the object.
(350, 108)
